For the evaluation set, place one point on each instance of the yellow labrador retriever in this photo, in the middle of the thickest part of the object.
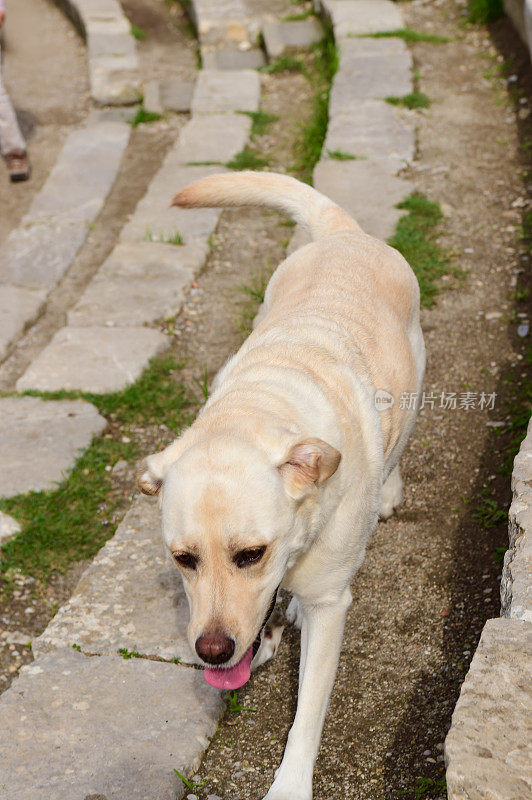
(282, 477)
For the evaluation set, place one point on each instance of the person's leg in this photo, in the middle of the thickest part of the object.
(12, 144)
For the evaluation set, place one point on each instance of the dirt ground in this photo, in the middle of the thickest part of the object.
(430, 579)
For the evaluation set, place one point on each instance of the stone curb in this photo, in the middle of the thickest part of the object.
(112, 53)
(37, 254)
(488, 748)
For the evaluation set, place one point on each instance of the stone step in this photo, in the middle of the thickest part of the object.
(213, 137)
(488, 751)
(19, 307)
(367, 191)
(371, 69)
(281, 38)
(131, 596)
(361, 17)
(138, 284)
(41, 439)
(232, 57)
(94, 359)
(171, 95)
(106, 727)
(221, 91)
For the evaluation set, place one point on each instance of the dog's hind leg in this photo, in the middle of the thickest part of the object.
(294, 615)
(392, 493)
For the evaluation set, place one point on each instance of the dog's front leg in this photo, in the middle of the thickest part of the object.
(321, 640)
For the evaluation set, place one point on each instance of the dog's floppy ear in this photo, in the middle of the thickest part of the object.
(152, 470)
(309, 463)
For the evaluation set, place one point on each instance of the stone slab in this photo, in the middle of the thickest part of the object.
(39, 255)
(360, 17)
(107, 42)
(77, 727)
(40, 440)
(366, 190)
(138, 284)
(370, 72)
(213, 137)
(8, 527)
(83, 174)
(488, 750)
(220, 21)
(115, 80)
(282, 37)
(516, 582)
(232, 58)
(220, 91)
(151, 97)
(18, 308)
(131, 596)
(92, 359)
(176, 95)
(154, 218)
(374, 130)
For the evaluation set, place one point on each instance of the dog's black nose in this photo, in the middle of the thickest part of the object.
(215, 648)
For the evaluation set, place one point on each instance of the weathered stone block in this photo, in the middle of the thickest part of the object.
(8, 527)
(131, 596)
(76, 727)
(213, 137)
(83, 174)
(18, 308)
(282, 37)
(41, 439)
(155, 220)
(488, 749)
(377, 69)
(376, 130)
(92, 359)
(360, 17)
(232, 58)
(39, 255)
(115, 80)
(516, 582)
(366, 190)
(151, 100)
(219, 91)
(176, 95)
(138, 284)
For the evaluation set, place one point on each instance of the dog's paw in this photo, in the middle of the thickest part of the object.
(392, 494)
(294, 615)
(271, 639)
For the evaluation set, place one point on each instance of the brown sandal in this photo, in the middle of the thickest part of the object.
(18, 165)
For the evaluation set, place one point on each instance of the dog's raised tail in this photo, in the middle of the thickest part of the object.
(319, 215)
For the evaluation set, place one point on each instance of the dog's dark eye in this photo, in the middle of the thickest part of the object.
(186, 560)
(251, 556)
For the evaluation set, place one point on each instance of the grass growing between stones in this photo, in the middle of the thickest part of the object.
(247, 159)
(308, 148)
(285, 64)
(412, 100)
(143, 116)
(260, 120)
(339, 155)
(482, 12)
(72, 522)
(408, 35)
(137, 32)
(415, 238)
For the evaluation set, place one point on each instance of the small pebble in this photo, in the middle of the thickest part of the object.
(427, 753)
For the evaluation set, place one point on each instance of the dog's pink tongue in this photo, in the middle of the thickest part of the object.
(232, 678)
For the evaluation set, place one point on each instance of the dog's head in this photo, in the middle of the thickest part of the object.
(232, 521)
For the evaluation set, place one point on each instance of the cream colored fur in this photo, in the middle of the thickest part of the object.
(290, 451)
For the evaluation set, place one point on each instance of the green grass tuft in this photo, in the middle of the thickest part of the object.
(127, 654)
(260, 121)
(138, 33)
(415, 238)
(247, 159)
(482, 12)
(339, 155)
(309, 147)
(164, 238)
(413, 100)
(407, 35)
(74, 520)
(299, 17)
(285, 64)
(143, 116)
